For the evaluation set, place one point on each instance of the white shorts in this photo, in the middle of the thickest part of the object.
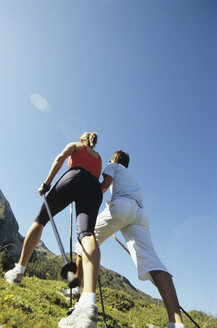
(125, 215)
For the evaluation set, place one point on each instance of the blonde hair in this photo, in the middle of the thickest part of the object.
(89, 138)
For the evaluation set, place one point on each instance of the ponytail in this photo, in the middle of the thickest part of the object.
(92, 139)
(89, 138)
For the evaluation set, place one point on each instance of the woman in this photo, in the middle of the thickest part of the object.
(80, 184)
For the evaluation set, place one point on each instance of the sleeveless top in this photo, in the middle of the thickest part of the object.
(84, 159)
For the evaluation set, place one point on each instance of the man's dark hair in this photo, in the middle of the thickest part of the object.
(121, 157)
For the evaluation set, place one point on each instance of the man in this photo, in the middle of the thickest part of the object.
(125, 213)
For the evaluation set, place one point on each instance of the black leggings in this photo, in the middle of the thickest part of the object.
(80, 186)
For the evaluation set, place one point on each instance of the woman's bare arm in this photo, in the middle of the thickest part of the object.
(57, 164)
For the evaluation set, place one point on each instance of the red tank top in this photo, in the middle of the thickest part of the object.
(84, 159)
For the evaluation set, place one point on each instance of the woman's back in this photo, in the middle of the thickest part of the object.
(86, 157)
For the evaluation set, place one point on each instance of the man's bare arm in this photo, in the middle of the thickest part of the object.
(107, 181)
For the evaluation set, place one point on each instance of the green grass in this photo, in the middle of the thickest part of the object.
(38, 303)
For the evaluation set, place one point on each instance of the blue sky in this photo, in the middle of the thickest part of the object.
(143, 74)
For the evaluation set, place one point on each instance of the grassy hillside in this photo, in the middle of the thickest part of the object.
(37, 303)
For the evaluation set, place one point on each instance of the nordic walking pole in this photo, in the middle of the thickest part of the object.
(120, 243)
(71, 211)
(69, 269)
(103, 310)
(189, 317)
(71, 231)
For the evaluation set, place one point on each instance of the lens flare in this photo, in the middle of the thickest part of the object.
(40, 103)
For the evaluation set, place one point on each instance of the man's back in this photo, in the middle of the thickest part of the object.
(124, 184)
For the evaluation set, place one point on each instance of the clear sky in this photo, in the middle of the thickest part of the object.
(143, 74)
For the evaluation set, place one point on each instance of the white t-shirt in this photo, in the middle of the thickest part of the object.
(123, 184)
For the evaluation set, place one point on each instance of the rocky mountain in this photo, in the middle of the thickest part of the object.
(9, 228)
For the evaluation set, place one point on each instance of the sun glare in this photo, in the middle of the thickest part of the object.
(40, 103)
